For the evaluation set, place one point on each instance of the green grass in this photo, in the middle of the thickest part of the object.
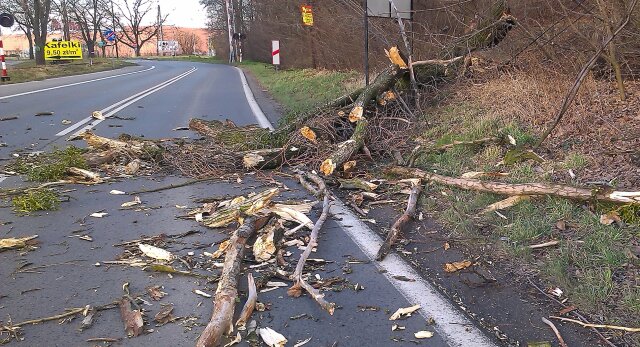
(36, 200)
(594, 264)
(51, 166)
(299, 90)
(29, 71)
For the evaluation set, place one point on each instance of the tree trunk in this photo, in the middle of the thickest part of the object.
(30, 39)
(563, 191)
(225, 298)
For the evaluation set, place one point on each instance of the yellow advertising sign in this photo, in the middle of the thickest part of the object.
(307, 15)
(63, 50)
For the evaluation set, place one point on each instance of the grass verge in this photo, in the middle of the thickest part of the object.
(29, 71)
(595, 265)
(299, 90)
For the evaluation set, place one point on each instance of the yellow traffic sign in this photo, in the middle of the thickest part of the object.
(307, 15)
(63, 50)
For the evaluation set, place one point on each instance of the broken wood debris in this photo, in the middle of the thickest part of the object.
(396, 229)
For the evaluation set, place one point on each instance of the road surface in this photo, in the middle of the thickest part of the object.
(151, 100)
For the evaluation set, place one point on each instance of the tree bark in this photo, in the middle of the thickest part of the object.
(225, 298)
(346, 149)
(396, 229)
(574, 193)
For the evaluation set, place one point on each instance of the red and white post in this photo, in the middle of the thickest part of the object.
(275, 53)
(4, 76)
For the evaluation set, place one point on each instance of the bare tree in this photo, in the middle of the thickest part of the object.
(188, 41)
(35, 15)
(130, 16)
(87, 16)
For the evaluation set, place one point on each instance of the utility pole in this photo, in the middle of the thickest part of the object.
(113, 22)
(230, 30)
(366, 42)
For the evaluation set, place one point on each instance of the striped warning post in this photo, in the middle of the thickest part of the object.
(5, 76)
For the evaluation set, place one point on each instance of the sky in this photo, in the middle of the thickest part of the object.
(184, 13)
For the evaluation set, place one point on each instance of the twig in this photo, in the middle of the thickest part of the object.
(555, 330)
(581, 76)
(574, 312)
(71, 312)
(102, 339)
(247, 310)
(8, 118)
(546, 244)
(603, 326)
(392, 236)
(172, 186)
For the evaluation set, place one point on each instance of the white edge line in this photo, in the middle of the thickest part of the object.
(255, 108)
(112, 112)
(455, 328)
(73, 84)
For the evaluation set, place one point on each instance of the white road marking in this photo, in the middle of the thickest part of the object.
(74, 84)
(124, 103)
(3, 177)
(455, 328)
(255, 108)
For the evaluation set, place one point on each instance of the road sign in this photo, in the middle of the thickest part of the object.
(307, 15)
(168, 46)
(109, 34)
(275, 52)
(6, 20)
(63, 50)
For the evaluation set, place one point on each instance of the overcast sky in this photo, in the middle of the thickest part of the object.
(184, 13)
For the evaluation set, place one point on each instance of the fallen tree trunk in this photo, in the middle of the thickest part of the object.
(564, 191)
(488, 33)
(408, 214)
(231, 213)
(267, 159)
(225, 298)
(346, 149)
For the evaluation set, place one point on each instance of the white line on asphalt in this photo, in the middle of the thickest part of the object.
(106, 109)
(455, 328)
(255, 108)
(129, 101)
(74, 84)
(3, 177)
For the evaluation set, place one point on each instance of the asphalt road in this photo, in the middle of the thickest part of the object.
(157, 97)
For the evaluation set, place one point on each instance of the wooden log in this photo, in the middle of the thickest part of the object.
(574, 193)
(396, 229)
(385, 80)
(225, 298)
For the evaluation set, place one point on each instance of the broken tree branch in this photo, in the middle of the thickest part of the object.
(225, 298)
(252, 298)
(581, 76)
(568, 192)
(555, 330)
(602, 326)
(299, 282)
(132, 319)
(396, 229)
